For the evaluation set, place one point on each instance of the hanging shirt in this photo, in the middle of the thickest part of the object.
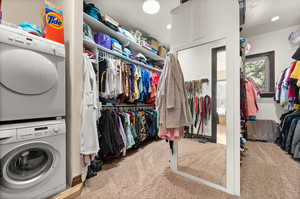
(132, 83)
(127, 127)
(284, 90)
(251, 99)
(140, 86)
(119, 82)
(122, 133)
(291, 92)
(296, 73)
(136, 93)
(279, 84)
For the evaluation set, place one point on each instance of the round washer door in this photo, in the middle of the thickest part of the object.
(28, 165)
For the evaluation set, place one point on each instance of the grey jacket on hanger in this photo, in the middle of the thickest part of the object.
(171, 99)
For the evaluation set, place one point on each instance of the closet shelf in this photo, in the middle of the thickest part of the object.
(94, 46)
(100, 27)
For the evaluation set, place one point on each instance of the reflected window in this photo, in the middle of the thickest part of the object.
(221, 82)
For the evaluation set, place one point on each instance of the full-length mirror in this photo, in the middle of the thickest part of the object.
(202, 152)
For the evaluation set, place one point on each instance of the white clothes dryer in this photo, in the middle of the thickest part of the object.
(32, 76)
(33, 160)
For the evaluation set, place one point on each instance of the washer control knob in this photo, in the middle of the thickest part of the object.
(56, 130)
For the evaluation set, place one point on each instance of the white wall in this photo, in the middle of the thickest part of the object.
(277, 41)
(73, 16)
(17, 11)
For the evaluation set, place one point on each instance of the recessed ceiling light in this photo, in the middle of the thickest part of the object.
(169, 26)
(275, 18)
(151, 7)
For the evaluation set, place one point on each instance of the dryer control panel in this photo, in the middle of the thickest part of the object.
(22, 39)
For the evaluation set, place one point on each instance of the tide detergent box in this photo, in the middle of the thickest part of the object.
(53, 22)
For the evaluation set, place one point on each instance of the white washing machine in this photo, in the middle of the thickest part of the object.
(32, 76)
(33, 160)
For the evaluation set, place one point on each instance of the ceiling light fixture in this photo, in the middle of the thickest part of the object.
(151, 7)
(169, 26)
(275, 18)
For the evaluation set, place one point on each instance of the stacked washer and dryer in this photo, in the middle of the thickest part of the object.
(32, 112)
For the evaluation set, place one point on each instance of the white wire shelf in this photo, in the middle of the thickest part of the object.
(100, 27)
(94, 46)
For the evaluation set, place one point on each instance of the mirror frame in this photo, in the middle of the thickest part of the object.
(232, 117)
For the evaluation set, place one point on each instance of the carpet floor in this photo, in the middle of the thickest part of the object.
(266, 173)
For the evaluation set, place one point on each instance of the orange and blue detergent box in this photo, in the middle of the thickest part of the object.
(53, 22)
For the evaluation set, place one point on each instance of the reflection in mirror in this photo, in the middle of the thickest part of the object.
(202, 152)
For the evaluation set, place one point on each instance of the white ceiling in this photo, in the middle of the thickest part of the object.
(130, 14)
(260, 12)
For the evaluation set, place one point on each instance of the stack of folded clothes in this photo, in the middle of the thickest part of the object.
(116, 46)
(87, 33)
(127, 52)
(103, 40)
(93, 11)
(127, 34)
(110, 22)
(141, 58)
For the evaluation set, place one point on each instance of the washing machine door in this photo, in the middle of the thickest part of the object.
(28, 165)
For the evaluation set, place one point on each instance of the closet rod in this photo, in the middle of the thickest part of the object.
(90, 44)
(127, 107)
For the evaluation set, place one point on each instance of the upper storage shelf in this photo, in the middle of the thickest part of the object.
(100, 27)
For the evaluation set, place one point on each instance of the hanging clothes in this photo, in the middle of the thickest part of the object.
(252, 95)
(89, 110)
(89, 145)
(289, 133)
(120, 131)
(278, 87)
(205, 113)
(171, 101)
(173, 134)
(284, 100)
(287, 87)
(243, 96)
(121, 82)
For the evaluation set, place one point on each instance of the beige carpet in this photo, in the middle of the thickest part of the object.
(267, 173)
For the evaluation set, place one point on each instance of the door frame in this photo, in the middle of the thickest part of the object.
(214, 80)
